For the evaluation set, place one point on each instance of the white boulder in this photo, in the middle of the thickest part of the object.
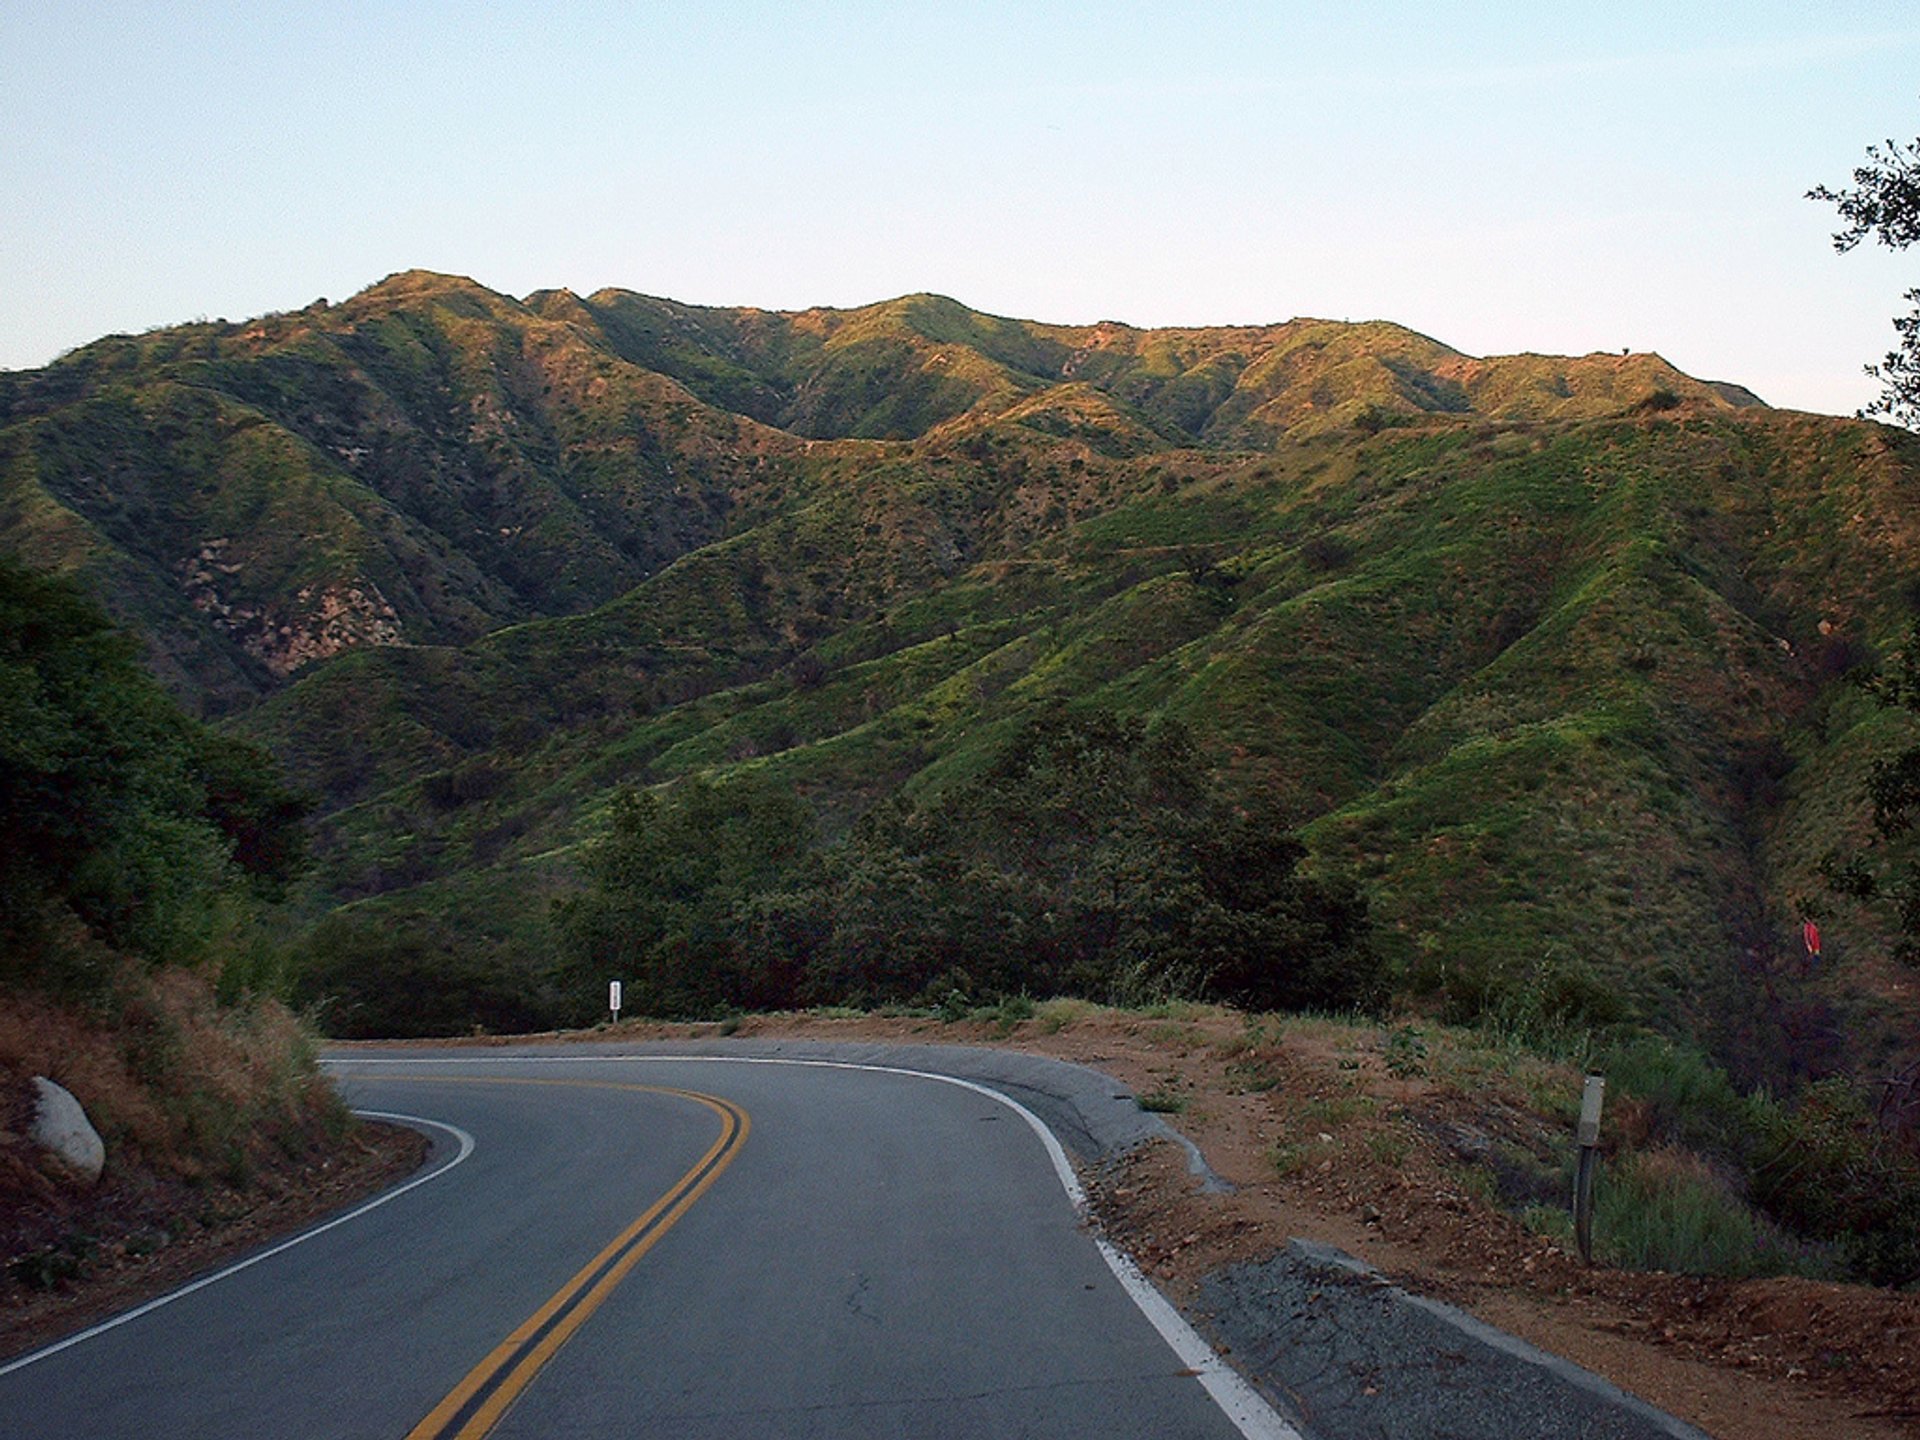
(60, 1124)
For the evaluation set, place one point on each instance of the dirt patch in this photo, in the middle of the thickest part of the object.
(73, 1258)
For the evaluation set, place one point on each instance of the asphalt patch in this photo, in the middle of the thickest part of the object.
(1347, 1355)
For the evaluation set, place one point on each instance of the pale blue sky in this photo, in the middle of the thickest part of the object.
(1501, 176)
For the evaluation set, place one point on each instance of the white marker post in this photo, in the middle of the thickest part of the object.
(613, 999)
(1588, 1137)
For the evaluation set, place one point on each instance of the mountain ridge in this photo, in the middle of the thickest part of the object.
(388, 360)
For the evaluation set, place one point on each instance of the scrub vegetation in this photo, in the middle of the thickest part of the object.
(908, 656)
(1089, 858)
(141, 858)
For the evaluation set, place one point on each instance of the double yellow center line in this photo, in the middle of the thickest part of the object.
(476, 1404)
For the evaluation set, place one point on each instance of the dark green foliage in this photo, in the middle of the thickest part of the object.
(1825, 1168)
(672, 890)
(1538, 1001)
(372, 974)
(1059, 869)
(118, 813)
(52, 1266)
(1267, 937)
(1884, 869)
(1820, 1164)
(1885, 202)
(261, 816)
(477, 780)
(1089, 857)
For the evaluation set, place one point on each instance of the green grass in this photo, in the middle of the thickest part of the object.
(1287, 1160)
(1389, 1148)
(1339, 1110)
(1054, 1016)
(1667, 1211)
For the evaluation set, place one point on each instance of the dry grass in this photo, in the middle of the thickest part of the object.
(176, 1084)
(219, 1129)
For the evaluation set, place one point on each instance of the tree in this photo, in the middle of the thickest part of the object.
(1092, 855)
(1893, 789)
(1884, 201)
(671, 892)
(122, 819)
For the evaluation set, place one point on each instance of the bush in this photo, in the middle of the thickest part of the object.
(1669, 1210)
(1324, 554)
(1691, 1101)
(1091, 857)
(1827, 1169)
(678, 900)
(1546, 1003)
(124, 823)
(467, 784)
(1820, 1168)
(367, 975)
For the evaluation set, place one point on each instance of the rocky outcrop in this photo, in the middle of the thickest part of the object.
(61, 1127)
(321, 621)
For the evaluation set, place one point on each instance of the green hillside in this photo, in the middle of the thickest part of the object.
(1546, 655)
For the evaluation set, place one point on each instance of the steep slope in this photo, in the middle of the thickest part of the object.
(419, 465)
(1538, 693)
(430, 460)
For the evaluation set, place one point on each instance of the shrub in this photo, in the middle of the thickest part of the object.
(124, 823)
(1324, 554)
(1090, 857)
(1827, 1169)
(1669, 1210)
(366, 974)
(468, 784)
(1819, 1171)
(1691, 1101)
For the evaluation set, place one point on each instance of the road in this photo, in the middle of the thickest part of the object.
(662, 1246)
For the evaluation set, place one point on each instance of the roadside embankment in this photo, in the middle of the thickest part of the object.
(219, 1131)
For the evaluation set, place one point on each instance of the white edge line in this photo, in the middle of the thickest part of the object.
(1243, 1406)
(466, 1149)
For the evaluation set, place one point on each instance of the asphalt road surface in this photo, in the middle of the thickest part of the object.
(660, 1246)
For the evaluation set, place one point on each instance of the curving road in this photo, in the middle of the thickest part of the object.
(655, 1245)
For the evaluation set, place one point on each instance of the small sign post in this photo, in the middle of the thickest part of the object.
(613, 999)
(1588, 1136)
